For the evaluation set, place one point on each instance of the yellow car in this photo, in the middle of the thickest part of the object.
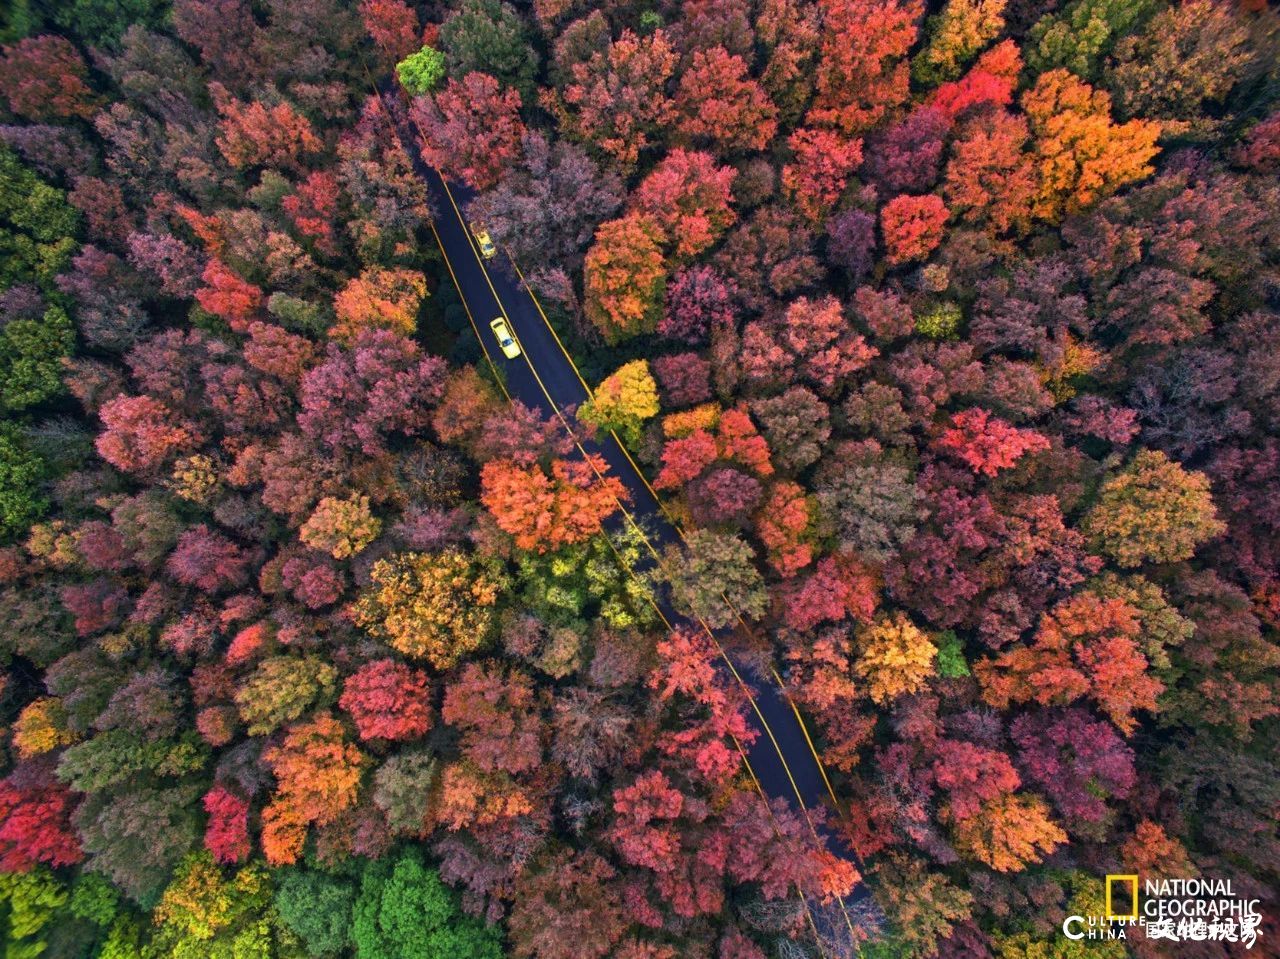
(510, 348)
(483, 240)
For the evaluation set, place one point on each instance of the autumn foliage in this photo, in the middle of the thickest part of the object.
(435, 607)
(226, 295)
(44, 79)
(227, 835)
(546, 509)
(1009, 833)
(388, 700)
(821, 168)
(1152, 511)
(316, 770)
(35, 821)
(894, 657)
(625, 277)
(393, 25)
(471, 128)
(254, 134)
(718, 103)
(1081, 155)
(875, 545)
(912, 226)
(623, 401)
(688, 197)
(140, 433)
(387, 299)
(987, 444)
(616, 97)
(1085, 647)
(861, 72)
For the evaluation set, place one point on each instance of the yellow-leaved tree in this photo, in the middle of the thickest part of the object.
(341, 527)
(895, 657)
(1153, 511)
(206, 913)
(433, 606)
(623, 402)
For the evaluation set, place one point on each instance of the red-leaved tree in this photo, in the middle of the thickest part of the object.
(495, 710)
(35, 820)
(393, 26)
(470, 129)
(227, 833)
(44, 77)
(141, 434)
(822, 162)
(986, 443)
(912, 227)
(388, 700)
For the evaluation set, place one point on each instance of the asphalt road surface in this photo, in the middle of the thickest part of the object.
(782, 758)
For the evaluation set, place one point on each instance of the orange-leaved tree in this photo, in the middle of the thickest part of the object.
(317, 776)
(616, 98)
(546, 511)
(736, 439)
(862, 73)
(1085, 646)
(785, 524)
(823, 161)
(1009, 832)
(912, 227)
(378, 297)
(1082, 156)
(990, 178)
(986, 443)
(625, 278)
(254, 134)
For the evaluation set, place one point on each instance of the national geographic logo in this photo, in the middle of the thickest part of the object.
(1179, 910)
(1125, 897)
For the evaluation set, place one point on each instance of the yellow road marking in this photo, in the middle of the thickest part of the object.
(805, 729)
(529, 290)
(574, 366)
(672, 520)
(746, 689)
(622, 507)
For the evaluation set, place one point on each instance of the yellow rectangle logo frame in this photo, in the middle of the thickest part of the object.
(1122, 878)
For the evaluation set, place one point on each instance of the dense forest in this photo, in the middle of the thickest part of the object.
(948, 331)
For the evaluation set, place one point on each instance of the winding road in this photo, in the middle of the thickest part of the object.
(782, 759)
